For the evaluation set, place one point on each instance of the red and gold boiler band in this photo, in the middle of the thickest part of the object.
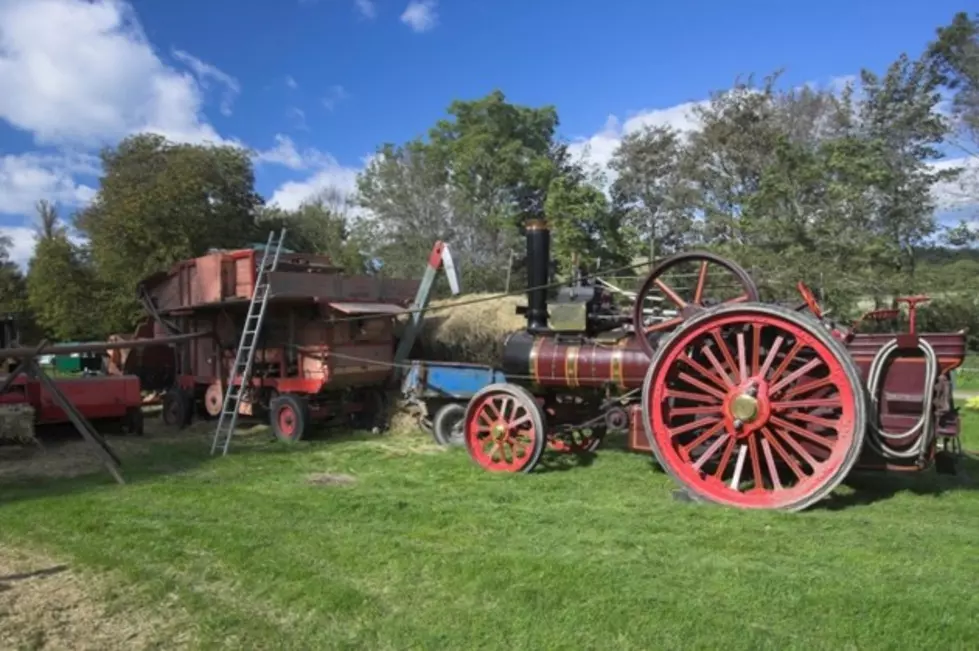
(622, 364)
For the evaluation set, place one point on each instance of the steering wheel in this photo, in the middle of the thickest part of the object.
(810, 300)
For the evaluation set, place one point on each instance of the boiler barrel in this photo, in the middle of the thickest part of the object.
(547, 362)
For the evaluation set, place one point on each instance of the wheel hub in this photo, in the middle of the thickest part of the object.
(747, 407)
(744, 408)
(499, 431)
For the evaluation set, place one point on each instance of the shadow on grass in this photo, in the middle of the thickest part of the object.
(553, 461)
(65, 464)
(872, 487)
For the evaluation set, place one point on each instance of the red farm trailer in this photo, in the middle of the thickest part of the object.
(323, 351)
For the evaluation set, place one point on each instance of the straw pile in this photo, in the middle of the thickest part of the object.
(17, 424)
(469, 333)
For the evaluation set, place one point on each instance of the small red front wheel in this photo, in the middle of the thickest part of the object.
(505, 429)
(289, 416)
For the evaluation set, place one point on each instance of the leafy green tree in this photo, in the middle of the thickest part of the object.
(324, 225)
(60, 283)
(954, 54)
(481, 172)
(159, 203)
(13, 290)
(652, 187)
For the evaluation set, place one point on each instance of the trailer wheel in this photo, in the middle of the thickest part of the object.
(449, 425)
(177, 405)
(289, 416)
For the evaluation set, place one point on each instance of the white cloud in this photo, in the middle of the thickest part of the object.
(597, 149)
(286, 154)
(334, 96)
(22, 244)
(961, 193)
(205, 72)
(83, 73)
(420, 15)
(329, 174)
(291, 82)
(28, 177)
(366, 8)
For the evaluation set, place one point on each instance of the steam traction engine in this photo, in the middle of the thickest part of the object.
(742, 403)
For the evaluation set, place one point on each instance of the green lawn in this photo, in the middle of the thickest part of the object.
(967, 378)
(424, 551)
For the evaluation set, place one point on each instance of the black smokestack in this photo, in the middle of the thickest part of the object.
(538, 264)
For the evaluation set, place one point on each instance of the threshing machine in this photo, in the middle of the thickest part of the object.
(304, 365)
(742, 403)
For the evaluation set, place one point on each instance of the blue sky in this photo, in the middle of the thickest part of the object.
(313, 86)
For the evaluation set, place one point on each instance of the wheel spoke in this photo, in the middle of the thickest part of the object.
(742, 358)
(795, 375)
(725, 459)
(700, 440)
(694, 397)
(709, 452)
(664, 325)
(738, 467)
(671, 294)
(722, 382)
(709, 354)
(770, 462)
(686, 377)
(698, 294)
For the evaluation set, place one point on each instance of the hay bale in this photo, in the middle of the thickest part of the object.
(17, 424)
(469, 333)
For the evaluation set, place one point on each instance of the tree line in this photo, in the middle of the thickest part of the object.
(832, 187)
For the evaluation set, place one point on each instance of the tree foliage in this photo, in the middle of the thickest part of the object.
(324, 225)
(60, 282)
(159, 203)
(481, 172)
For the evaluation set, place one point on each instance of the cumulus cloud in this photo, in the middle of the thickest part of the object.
(286, 154)
(25, 178)
(597, 150)
(329, 174)
(83, 73)
(420, 15)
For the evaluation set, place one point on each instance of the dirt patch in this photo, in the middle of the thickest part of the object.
(45, 605)
(330, 479)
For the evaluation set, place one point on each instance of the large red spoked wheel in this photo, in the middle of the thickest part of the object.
(289, 416)
(505, 429)
(754, 406)
(684, 285)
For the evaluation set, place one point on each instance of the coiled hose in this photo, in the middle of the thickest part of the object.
(879, 438)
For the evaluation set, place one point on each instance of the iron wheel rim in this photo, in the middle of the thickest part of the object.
(807, 422)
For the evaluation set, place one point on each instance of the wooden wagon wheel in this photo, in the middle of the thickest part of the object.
(713, 281)
(754, 406)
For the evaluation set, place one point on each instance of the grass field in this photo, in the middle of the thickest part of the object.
(967, 378)
(389, 543)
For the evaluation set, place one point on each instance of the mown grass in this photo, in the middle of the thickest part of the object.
(967, 377)
(424, 551)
